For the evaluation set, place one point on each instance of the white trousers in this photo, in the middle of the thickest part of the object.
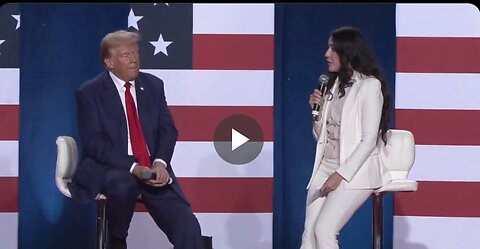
(326, 216)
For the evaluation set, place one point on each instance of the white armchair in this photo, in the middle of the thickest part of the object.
(398, 156)
(67, 157)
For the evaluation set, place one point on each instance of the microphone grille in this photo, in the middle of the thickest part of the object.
(146, 174)
(323, 79)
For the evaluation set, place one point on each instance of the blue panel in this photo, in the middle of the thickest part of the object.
(59, 50)
(301, 34)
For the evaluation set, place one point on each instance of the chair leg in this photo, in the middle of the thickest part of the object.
(207, 242)
(101, 225)
(377, 220)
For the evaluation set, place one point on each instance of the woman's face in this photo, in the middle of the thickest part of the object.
(333, 60)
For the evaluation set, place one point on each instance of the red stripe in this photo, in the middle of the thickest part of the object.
(206, 195)
(198, 123)
(447, 199)
(9, 196)
(9, 122)
(438, 54)
(440, 127)
(236, 52)
(227, 195)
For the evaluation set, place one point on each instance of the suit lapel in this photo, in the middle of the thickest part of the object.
(349, 104)
(113, 108)
(142, 101)
(327, 108)
(145, 110)
(349, 108)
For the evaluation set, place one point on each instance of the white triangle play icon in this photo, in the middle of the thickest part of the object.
(238, 139)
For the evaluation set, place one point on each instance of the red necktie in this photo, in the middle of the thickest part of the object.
(139, 147)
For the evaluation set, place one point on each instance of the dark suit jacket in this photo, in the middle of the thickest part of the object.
(103, 130)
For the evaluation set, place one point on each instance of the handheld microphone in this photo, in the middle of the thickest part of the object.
(323, 79)
(149, 175)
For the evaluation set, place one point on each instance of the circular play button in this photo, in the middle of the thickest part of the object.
(238, 139)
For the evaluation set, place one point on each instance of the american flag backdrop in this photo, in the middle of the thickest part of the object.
(215, 60)
(218, 59)
(9, 113)
(437, 98)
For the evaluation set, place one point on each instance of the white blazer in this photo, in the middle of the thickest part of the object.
(359, 160)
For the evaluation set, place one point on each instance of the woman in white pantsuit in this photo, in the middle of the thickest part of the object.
(354, 115)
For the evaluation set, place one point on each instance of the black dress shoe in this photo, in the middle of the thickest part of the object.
(116, 243)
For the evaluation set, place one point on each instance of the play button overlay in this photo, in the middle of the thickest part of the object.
(238, 139)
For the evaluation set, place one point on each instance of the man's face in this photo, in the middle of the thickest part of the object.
(124, 61)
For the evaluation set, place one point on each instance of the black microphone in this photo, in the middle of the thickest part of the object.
(149, 175)
(322, 87)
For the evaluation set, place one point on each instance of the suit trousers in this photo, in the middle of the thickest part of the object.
(326, 216)
(172, 214)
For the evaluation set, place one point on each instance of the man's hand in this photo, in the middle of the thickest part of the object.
(158, 168)
(162, 175)
(331, 184)
(139, 170)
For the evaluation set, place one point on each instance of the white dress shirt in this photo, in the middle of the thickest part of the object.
(120, 85)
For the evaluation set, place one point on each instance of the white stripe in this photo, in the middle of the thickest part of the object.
(233, 18)
(229, 230)
(435, 232)
(10, 85)
(217, 87)
(446, 163)
(438, 20)
(437, 91)
(8, 158)
(9, 230)
(238, 230)
(200, 159)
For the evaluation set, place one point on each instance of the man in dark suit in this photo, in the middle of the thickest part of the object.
(127, 133)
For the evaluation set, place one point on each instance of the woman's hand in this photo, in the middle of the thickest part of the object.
(316, 98)
(331, 184)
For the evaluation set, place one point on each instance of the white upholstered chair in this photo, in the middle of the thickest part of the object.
(398, 156)
(67, 157)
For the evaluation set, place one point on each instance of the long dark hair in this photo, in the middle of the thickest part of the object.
(354, 52)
